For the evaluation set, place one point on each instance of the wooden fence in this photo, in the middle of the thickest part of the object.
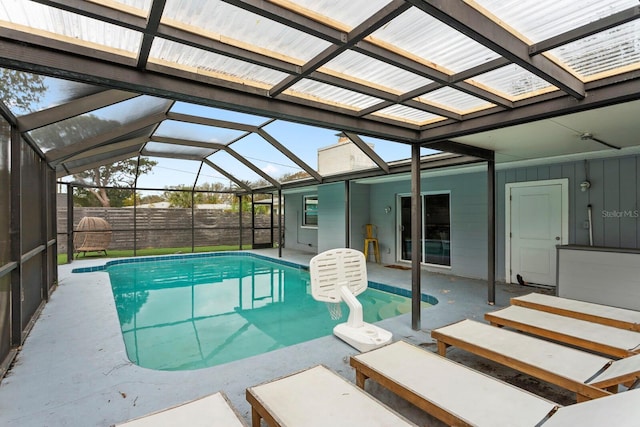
(169, 228)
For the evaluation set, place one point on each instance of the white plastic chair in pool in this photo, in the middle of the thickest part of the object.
(340, 275)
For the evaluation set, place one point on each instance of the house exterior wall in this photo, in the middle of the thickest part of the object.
(468, 196)
(613, 195)
(331, 216)
(296, 236)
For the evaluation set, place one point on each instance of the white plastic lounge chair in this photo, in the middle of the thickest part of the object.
(451, 392)
(460, 396)
(317, 397)
(598, 313)
(589, 375)
(340, 275)
(208, 411)
(591, 336)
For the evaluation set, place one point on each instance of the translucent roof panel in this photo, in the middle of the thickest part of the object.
(33, 92)
(176, 55)
(236, 168)
(218, 114)
(512, 82)
(616, 48)
(544, 19)
(79, 128)
(361, 68)
(408, 114)
(71, 27)
(333, 95)
(350, 14)
(197, 132)
(140, 6)
(179, 151)
(170, 173)
(105, 158)
(454, 100)
(449, 50)
(265, 156)
(242, 28)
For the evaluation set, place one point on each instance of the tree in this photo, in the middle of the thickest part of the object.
(21, 91)
(119, 174)
(182, 199)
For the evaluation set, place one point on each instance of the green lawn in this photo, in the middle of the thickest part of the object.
(62, 258)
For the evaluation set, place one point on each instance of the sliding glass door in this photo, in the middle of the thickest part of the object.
(436, 228)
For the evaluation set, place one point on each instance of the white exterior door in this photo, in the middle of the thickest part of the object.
(537, 216)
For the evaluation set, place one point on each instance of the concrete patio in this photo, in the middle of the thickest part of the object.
(73, 369)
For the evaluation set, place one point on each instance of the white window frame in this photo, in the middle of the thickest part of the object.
(304, 210)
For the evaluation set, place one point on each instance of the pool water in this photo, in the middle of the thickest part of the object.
(191, 313)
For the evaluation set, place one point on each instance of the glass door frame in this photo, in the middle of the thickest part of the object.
(401, 241)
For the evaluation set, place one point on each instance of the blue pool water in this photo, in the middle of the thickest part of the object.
(192, 312)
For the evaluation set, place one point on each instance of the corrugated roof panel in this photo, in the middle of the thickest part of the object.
(238, 27)
(454, 100)
(143, 6)
(349, 13)
(512, 81)
(408, 114)
(328, 94)
(614, 49)
(71, 27)
(434, 42)
(159, 149)
(372, 71)
(542, 19)
(169, 53)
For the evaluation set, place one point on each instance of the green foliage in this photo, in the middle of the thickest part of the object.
(119, 174)
(182, 199)
(21, 91)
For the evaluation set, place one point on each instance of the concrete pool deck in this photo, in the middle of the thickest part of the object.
(73, 369)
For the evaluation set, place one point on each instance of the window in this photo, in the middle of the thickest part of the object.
(310, 215)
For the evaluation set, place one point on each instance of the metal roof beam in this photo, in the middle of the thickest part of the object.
(211, 122)
(284, 150)
(368, 151)
(103, 149)
(462, 149)
(58, 154)
(586, 30)
(251, 166)
(291, 19)
(622, 88)
(377, 20)
(94, 10)
(481, 28)
(66, 64)
(73, 108)
(227, 175)
(153, 21)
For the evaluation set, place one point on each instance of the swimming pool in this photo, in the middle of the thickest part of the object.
(195, 311)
